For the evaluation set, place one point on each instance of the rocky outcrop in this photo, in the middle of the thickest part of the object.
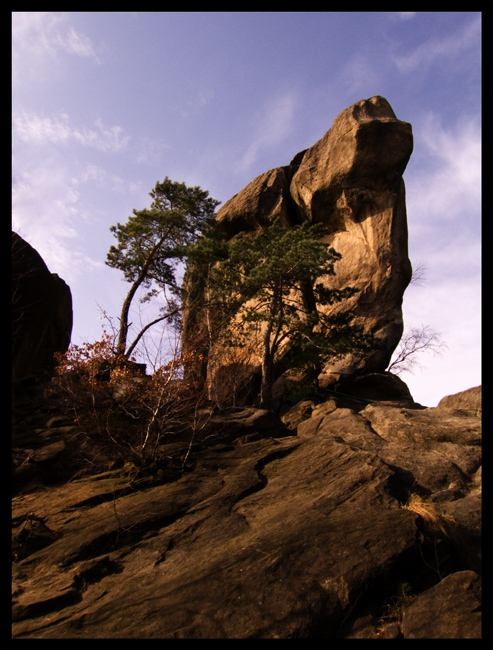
(458, 599)
(350, 180)
(382, 387)
(468, 399)
(358, 523)
(41, 313)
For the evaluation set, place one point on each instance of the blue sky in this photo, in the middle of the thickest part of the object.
(106, 104)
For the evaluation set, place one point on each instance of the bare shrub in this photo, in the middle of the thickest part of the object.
(122, 413)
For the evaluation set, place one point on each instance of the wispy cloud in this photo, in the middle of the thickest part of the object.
(406, 15)
(447, 183)
(436, 49)
(101, 177)
(274, 125)
(75, 43)
(444, 207)
(37, 130)
(41, 44)
(41, 32)
(150, 150)
(452, 307)
(45, 205)
(361, 75)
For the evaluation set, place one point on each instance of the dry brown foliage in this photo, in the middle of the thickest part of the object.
(121, 412)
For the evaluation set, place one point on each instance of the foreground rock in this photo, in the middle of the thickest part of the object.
(302, 535)
(350, 180)
(458, 599)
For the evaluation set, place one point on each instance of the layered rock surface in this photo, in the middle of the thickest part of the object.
(350, 180)
(305, 530)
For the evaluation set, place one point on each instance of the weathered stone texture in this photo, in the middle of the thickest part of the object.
(450, 610)
(291, 536)
(350, 180)
(469, 400)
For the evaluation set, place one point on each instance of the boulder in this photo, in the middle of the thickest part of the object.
(259, 204)
(298, 413)
(350, 180)
(468, 399)
(41, 313)
(450, 610)
(381, 387)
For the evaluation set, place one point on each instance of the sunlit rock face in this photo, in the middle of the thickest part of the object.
(350, 180)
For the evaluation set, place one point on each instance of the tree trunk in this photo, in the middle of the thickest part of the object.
(267, 369)
(268, 354)
(122, 334)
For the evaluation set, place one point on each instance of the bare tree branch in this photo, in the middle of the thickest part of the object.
(413, 344)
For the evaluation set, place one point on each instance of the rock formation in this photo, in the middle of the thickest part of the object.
(41, 312)
(350, 180)
(353, 515)
(360, 521)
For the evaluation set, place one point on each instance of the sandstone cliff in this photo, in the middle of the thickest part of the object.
(347, 520)
(350, 180)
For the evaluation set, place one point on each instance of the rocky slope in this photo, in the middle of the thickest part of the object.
(347, 519)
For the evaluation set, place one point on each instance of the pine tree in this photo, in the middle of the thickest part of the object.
(273, 278)
(153, 242)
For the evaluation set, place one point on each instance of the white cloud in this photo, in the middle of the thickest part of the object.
(36, 33)
(38, 130)
(101, 177)
(406, 15)
(95, 173)
(360, 74)
(445, 186)
(75, 43)
(46, 212)
(460, 150)
(150, 150)
(274, 125)
(434, 49)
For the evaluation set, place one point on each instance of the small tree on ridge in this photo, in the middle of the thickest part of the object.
(152, 243)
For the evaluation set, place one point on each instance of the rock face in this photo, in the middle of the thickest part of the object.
(356, 524)
(350, 180)
(41, 312)
(468, 399)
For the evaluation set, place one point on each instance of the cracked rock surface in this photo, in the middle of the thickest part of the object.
(302, 535)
